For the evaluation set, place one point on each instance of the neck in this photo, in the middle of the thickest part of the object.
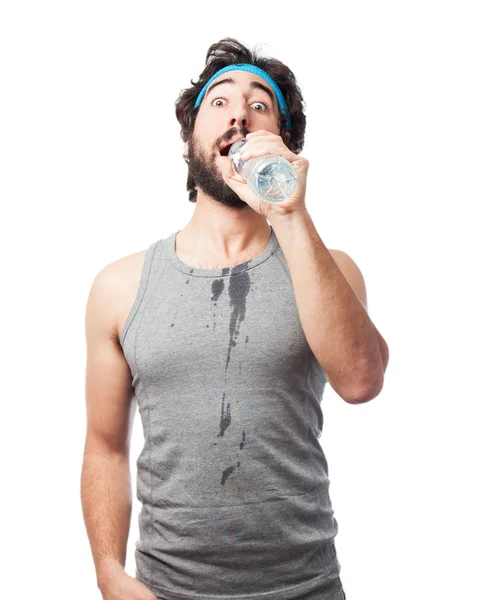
(220, 234)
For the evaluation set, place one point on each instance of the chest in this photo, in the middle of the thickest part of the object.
(244, 324)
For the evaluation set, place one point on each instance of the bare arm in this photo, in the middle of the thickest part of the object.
(105, 476)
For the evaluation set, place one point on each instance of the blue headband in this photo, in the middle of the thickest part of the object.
(257, 71)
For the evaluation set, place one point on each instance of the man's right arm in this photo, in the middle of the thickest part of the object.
(105, 476)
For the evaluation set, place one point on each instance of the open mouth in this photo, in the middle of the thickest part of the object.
(224, 151)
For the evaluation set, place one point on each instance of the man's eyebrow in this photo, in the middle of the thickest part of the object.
(213, 85)
(260, 86)
(253, 85)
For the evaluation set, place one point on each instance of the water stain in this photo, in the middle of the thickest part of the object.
(217, 288)
(239, 287)
(227, 472)
(225, 420)
(243, 440)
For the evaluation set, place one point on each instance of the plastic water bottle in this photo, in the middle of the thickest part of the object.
(272, 178)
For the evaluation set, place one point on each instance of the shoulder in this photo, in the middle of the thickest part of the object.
(352, 273)
(113, 290)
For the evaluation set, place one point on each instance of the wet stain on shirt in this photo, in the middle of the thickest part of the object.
(225, 420)
(239, 287)
(238, 290)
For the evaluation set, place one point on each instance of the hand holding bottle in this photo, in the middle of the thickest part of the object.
(268, 195)
(271, 177)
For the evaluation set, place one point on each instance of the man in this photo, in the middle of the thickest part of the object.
(225, 334)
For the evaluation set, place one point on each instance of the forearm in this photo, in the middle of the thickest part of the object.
(106, 504)
(338, 329)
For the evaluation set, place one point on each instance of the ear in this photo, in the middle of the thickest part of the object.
(286, 137)
(185, 151)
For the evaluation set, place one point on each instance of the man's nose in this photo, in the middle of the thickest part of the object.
(239, 116)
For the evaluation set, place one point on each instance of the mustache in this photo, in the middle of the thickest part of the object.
(231, 133)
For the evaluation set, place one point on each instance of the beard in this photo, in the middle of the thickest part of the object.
(204, 171)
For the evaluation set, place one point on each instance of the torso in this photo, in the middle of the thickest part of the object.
(213, 357)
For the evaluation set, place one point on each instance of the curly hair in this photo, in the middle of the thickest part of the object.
(230, 51)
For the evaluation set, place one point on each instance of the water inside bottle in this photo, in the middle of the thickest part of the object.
(274, 182)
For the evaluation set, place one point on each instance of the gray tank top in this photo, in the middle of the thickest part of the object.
(232, 478)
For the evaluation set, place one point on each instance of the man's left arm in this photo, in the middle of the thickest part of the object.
(331, 298)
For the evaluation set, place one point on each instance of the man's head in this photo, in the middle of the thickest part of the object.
(234, 104)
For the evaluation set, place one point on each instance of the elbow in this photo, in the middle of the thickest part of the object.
(367, 391)
(366, 396)
(374, 383)
(384, 350)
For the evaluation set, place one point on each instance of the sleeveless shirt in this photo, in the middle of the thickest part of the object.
(232, 479)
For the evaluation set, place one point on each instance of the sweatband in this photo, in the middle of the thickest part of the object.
(257, 71)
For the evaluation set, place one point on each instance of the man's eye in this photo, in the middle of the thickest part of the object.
(263, 104)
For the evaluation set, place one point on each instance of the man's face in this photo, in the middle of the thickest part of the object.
(235, 104)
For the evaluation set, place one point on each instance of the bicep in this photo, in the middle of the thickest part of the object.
(108, 391)
(353, 276)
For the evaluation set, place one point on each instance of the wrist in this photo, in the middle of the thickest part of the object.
(289, 219)
(108, 568)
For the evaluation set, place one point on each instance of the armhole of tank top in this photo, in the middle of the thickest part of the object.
(279, 255)
(145, 275)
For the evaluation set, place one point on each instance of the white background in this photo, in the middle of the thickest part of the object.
(91, 170)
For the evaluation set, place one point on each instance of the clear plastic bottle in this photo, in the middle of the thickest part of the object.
(271, 177)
